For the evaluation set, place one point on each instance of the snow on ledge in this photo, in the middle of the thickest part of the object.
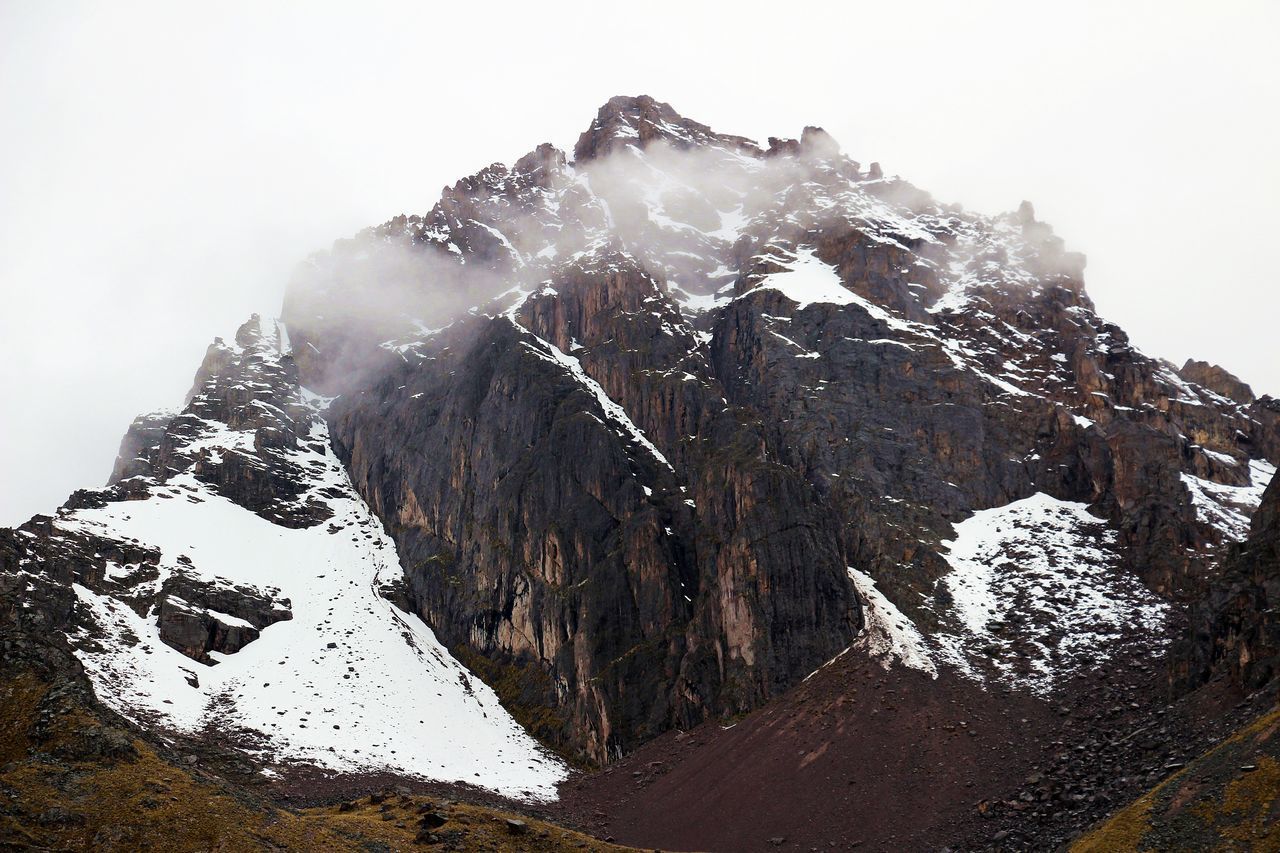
(887, 635)
(613, 410)
(1229, 508)
(807, 280)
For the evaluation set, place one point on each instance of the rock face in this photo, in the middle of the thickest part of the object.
(1236, 627)
(246, 395)
(1217, 380)
(697, 380)
(226, 619)
(632, 574)
(636, 122)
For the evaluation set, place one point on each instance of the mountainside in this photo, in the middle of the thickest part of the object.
(75, 777)
(678, 434)
(1224, 800)
(233, 581)
(800, 366)
(1236, 626)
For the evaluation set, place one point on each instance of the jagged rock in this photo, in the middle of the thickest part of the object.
(782, 146)
(1216, 379)
(641, 120)
(238, 389)
(196, 631)
(818, 144)
(139, 446)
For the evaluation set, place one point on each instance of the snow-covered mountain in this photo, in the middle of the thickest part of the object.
(653, 435)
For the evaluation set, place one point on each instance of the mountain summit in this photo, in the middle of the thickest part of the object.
(677, 432)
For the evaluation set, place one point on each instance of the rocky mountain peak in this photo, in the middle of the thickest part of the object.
(818, 141)
(638, 121)
(541, 164)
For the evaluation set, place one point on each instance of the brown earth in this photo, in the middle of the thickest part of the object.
(859, 757)
(855, 757)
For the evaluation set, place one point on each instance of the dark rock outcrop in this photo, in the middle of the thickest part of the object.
(240, 388)
(196, 616)
(1235, 629)
(622, 593)
(140, 446)
(640, 121)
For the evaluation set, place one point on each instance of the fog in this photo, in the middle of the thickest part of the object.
(164, 169)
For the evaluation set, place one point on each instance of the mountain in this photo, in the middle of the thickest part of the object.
(608, 475)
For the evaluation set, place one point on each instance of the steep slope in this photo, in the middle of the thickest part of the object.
(76, 777)
(233, 582)
(728, 373)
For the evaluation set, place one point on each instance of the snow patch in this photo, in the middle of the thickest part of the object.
(1038, 593)
(889, 635)
(807, 280)
(1229, 508)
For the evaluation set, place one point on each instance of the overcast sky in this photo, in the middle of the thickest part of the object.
(162, 167)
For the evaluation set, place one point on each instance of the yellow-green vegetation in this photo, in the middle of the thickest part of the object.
(145, 802)
(1227, 799)
(1124, 831)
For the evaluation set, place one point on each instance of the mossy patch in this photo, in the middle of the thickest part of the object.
(1227, 799)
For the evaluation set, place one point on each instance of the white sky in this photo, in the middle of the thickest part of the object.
(163, 168)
